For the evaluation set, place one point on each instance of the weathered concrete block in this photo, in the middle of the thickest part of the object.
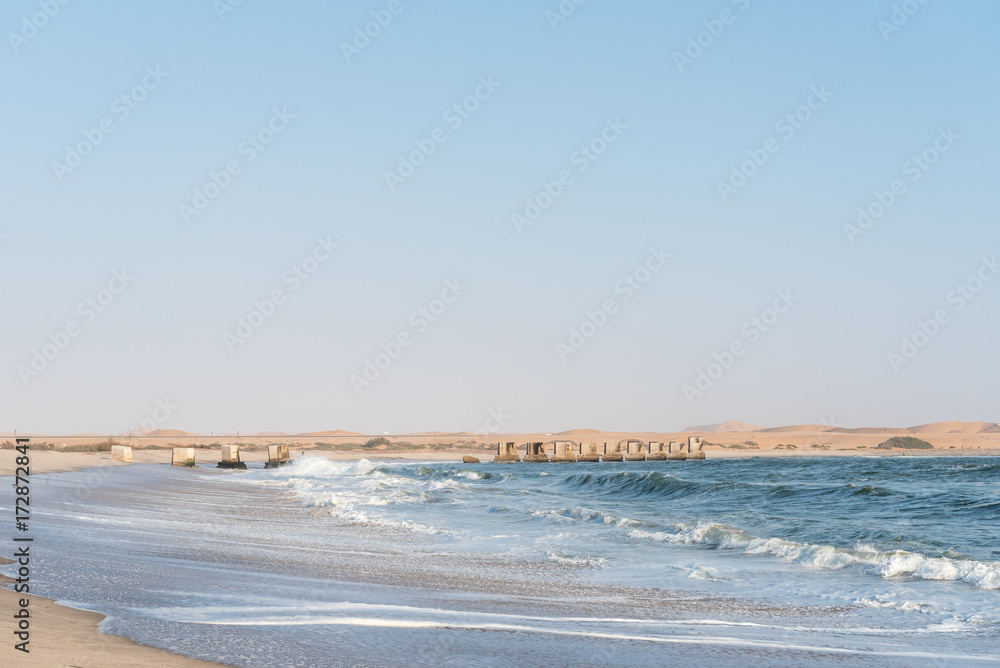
(612, 453)
(507, 452)
(635, 451)
(655, 451)
(675, 452)
(182, 457)
(231, 458)
(589, 453)
(695, 449)
(536, 453)
(277, 455)
(121, 453)
(563, 451)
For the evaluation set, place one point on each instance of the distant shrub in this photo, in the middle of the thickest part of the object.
(336, 446)
(905, 443)
(377, 441)
(103, 446)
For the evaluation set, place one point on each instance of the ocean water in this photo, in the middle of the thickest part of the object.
(873, 561)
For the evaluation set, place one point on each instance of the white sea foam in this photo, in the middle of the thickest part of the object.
(984, 575)
(393, 616)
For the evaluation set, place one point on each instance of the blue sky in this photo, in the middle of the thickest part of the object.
(888, 95)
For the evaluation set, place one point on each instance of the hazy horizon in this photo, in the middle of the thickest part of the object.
(256, 220)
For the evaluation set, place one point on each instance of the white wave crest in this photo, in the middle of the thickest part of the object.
(888, 564)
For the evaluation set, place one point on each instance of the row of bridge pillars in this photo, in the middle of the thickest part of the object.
(277, 455)
(629, 451)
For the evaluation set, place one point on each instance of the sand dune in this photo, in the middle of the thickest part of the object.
(338, 432)
(871, 430)
(979, 427)
(580, 432)
(799, 428)
(938, 428)
(170, 433)
(725, 427)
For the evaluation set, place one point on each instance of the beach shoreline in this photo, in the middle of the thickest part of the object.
(71, 637)
(62, 637)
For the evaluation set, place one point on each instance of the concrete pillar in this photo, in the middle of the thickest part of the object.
(588, 453)
(121, 453)
(675, 451)
(695, 448)
(231, 458)
(183, 457)
(507, 452)
(635, 451)
(562, 451)
(277, 455)
(655, 451)
(536, 453)
(612, 453)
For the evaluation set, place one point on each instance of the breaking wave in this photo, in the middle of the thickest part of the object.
(888, 564)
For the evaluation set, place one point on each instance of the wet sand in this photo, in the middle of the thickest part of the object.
(64, 637)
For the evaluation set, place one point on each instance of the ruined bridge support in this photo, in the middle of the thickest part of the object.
(612, 453)
(277, 455)
(675, 451)
(507, 452)
(655, 452)
(562, 451)
(588, 453)
(635, 451)
(536, 453)
(695, 448)
(121, 453)
(182, 457)
(231, 458)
